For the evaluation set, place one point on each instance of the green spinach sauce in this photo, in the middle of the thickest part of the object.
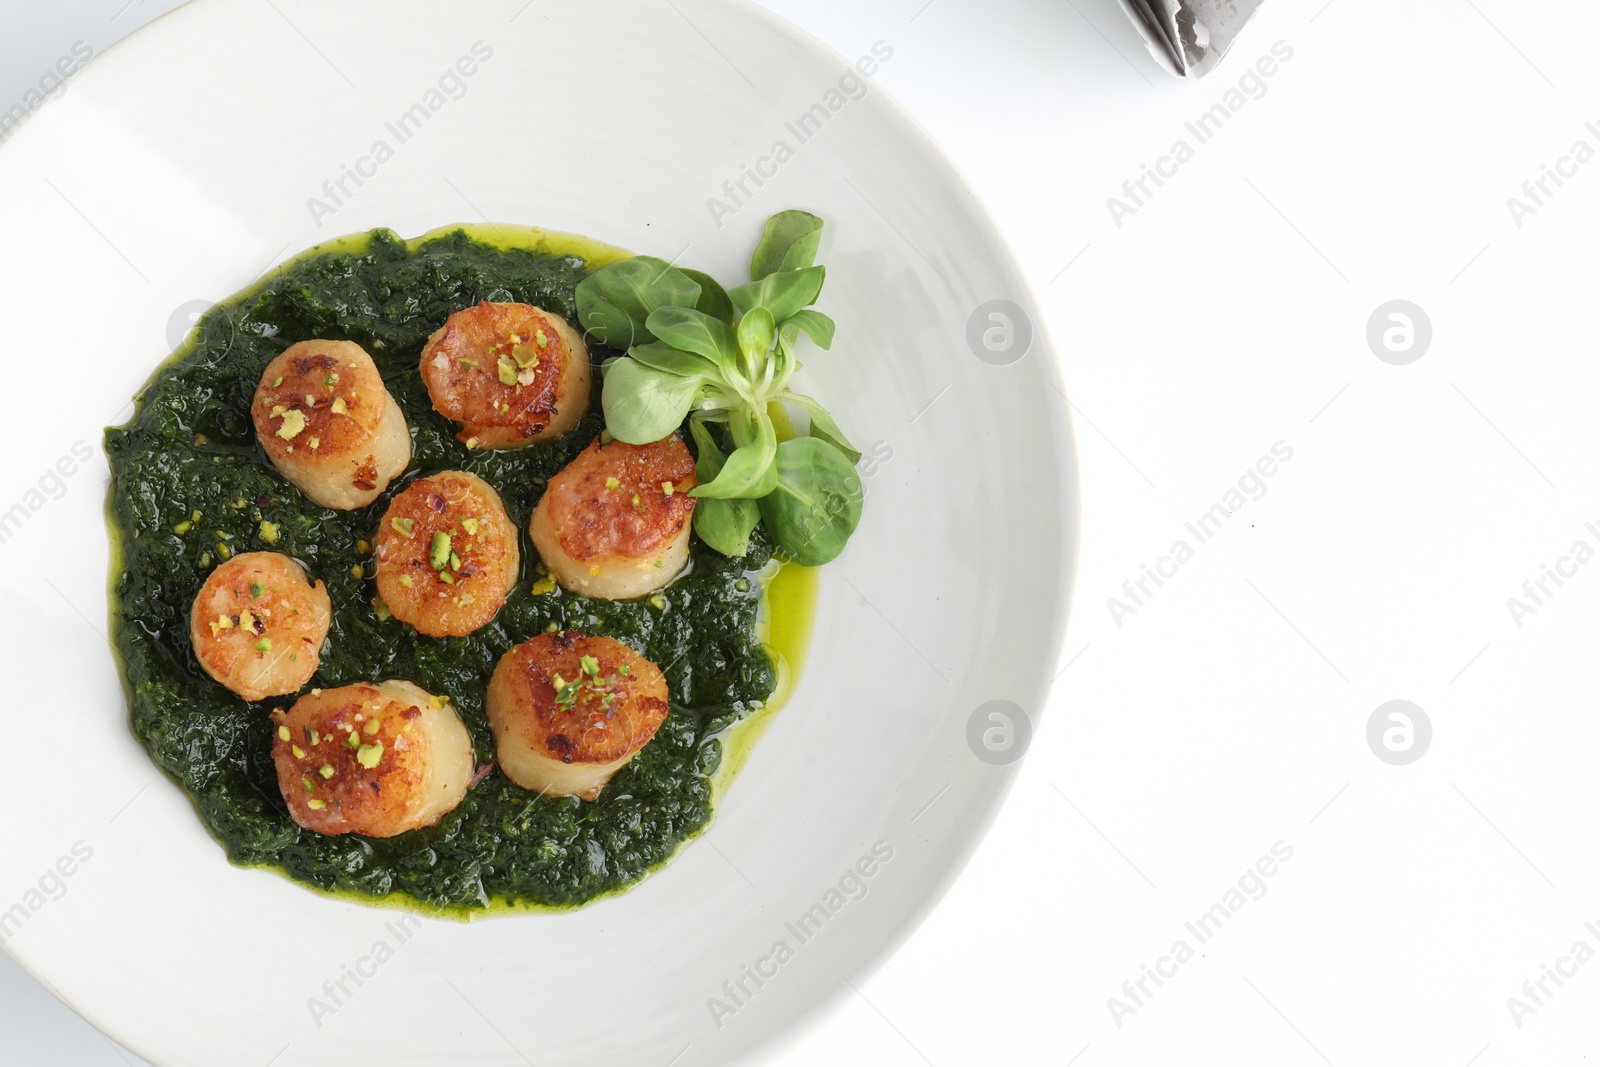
(190, 447)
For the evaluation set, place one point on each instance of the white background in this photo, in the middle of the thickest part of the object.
(1226, 314)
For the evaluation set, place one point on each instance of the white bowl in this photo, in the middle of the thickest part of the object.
(181, 165)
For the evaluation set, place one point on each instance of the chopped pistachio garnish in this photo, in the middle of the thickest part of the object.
(369, 755)
(405, 580)
(541, 338)
(667, 488)
(316, 443)
(283, 733)
(315, 805)
(326, 770)
(612, 483)
(331, 379)
(658, 602)
(589, 665)
(550, 629)
(373, 726)
(507, 372)
(277, 381)
(455, 561)
(308, 783)
(439, 551)
(268, 532)
(505, 409)
(470, 525)
(264, 645)
(467, 364)
(354, 739)
(338, 407)
(257, 589)
(447, 578)
(381, 609)
(299, 753)
(293, 422)
(404, 527)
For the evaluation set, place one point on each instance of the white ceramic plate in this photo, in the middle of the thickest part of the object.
(180, 166)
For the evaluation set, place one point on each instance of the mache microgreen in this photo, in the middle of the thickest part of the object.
(723, 358)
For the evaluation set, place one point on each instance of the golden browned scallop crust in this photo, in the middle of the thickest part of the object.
(615, 523)
(457, 591)
(511, 374)
(568, 711)
(375, 759)
(327, 422)
(258, 624)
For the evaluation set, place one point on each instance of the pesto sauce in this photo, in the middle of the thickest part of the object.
(190, 446)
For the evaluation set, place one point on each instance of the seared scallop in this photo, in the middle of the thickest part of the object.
(615, 522)
(329, 425)
(446, 554)
(258, 624)
(376, 759)
(511, 374)
(568, 711)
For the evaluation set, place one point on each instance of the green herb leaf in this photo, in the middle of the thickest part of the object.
(814, 324)
(713, 297)
(789, 241)
(695, 331)
(724, 525)
(783, 294)
(757, 330)
(658, 355)
(823, 428)
(817, 502)
(615, 301)
(748, 472)
(643, 404)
